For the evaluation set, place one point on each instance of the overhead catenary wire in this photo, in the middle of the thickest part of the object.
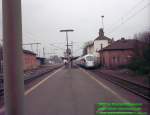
(126, 15)
(57, 47)
(129, 18)
(28, 36)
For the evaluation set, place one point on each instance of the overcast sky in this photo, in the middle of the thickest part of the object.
(42, 20)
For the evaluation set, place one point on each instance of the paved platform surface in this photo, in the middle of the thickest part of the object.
(73, 92)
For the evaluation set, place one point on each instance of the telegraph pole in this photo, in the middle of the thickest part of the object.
(67, 43)
(37, 44)
(13, 60)
(72, 48)
(43, 52)
(31, 48)
(37, 49)
(72, 54)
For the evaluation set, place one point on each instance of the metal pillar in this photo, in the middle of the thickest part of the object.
(13, 63)
(31, 48)
(72, 48)
(72, 54)
(43, 52)
(67, 45)
(37, 49)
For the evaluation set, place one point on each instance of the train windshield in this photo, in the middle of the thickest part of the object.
(90, 58)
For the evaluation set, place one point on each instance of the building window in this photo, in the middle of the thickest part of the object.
(113, 59)
(101, 46)
(118, 59)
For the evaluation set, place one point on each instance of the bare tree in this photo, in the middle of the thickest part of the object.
(144, 37)
(86, 44)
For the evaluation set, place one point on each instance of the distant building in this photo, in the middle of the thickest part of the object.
(120, 52)
(41, 60)
(29, 60)
(56, 59)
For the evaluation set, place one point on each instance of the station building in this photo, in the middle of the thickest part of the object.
(99, 42)
(120, 52)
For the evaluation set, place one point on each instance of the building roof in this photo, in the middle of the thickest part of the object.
(101, 36)
(40, 58)
(122, 44)
(29, 52)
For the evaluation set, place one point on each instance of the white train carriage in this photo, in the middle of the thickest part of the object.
(88, 61)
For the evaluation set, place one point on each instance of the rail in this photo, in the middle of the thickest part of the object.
(1, 87)
(30, 76)
(35, 74)
(135, 88)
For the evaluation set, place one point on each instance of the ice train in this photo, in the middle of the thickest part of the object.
(88, 61)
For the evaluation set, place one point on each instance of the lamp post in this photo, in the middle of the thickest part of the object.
(67, 30)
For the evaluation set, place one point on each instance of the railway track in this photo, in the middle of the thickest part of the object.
(31, 76)
(34, 74)
(1, 87)
(137, 89)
